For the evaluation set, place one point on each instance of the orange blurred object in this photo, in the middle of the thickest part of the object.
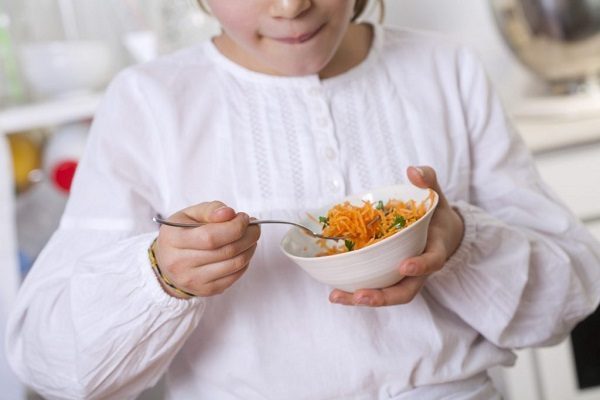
(26, 156)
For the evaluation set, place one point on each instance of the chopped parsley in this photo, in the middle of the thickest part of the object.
(349, 244)
(324, 221)
(399, 222)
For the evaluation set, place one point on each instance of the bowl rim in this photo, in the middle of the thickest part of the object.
(339, 256)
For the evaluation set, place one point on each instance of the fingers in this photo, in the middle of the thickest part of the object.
(215, 271)
(431, 260)
(230, 250)
(211, 279)
(416, 270)
(204, 237)
(443, 230)
(401, 293)
(215, 287)
(220, 285)
(213, 235)
(214, 211)
(181, 259)
(426, 178)
(208, 259)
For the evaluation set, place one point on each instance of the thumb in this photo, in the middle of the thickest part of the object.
(426, 178)
(214, 211)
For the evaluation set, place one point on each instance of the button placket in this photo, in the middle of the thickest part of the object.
(331, 175)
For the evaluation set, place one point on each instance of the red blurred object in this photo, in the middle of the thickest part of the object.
(62, 174)
(62, 152)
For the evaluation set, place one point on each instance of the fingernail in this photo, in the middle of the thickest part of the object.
(335, 299)
(217, 210)
(365, 301)
(420, 171)
(410, 269)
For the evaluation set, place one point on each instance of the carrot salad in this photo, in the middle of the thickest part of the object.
(369, 223)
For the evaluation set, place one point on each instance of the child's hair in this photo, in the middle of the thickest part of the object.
(359, 8)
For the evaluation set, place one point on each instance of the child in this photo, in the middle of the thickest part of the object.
(291, 107)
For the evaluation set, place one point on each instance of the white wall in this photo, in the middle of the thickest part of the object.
(470, 22)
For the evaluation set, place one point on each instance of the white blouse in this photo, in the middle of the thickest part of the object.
(91, 320)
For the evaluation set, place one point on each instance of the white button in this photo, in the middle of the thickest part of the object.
(330, 153)
(335, 185)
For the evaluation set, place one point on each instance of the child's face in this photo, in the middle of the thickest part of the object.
(282, 37)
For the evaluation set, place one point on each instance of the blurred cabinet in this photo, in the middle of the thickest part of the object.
(21, 119)
(574, 174)
(570, 164)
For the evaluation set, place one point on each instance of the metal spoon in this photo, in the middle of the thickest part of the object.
(160, 220)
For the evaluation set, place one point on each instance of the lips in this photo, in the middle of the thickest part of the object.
(305, 37)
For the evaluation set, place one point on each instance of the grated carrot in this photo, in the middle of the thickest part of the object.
(367, 224)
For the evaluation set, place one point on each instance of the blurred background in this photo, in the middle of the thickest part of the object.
(57, 56)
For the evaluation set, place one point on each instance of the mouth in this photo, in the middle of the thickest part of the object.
(303, 38)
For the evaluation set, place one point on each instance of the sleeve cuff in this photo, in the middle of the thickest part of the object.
(153, 286)
(461, 255)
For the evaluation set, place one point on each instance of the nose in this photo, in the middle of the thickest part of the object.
(289, 9)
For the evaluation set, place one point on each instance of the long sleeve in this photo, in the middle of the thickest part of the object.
(91, 320)
(527, 270)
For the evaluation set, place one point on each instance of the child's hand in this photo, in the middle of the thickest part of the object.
(445, 235)
(207, 260)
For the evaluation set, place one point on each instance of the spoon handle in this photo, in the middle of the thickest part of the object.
(159, 220)
(162, 221)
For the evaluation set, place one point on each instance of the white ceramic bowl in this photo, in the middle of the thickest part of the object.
(372, 267)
